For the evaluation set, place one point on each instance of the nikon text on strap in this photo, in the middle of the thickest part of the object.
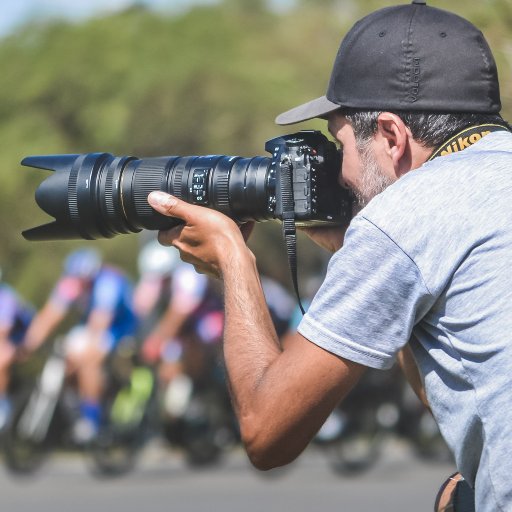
(466, 138)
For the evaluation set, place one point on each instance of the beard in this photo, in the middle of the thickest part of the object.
(373, 180)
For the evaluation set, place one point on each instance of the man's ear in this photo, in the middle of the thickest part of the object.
(394, 135)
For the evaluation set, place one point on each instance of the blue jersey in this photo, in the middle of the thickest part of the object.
(15, 314)
(110, 292)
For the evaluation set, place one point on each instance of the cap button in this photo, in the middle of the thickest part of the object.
(420, 2)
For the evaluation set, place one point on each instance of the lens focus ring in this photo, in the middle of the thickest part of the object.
(148, 177)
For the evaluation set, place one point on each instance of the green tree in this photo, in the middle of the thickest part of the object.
(209, 80)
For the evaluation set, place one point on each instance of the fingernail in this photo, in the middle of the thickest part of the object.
(158, 198)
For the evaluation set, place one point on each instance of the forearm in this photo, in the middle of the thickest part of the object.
(44, 323)
(250, 341)
(265, 381)
(169, 325)
(7, 352)
(281, 397)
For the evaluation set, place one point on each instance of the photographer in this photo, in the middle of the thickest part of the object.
(424, 264)
(426, 259)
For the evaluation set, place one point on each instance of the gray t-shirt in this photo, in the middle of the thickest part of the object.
(430, 260)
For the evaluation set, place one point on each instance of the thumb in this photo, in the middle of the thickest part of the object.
(169, 205)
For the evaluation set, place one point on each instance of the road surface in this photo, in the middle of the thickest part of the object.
(163, 482)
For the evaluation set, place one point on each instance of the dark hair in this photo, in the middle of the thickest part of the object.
(431, 129)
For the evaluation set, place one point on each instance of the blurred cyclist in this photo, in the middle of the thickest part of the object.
(15, 317)
(280, 303)
(156, 265)
(103, 295)
(187, 321)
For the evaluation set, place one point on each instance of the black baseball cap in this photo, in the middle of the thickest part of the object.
(409, 57)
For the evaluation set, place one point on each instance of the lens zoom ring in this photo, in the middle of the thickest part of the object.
(176, 181)
(73, 194)
(222, 190)
(147, 178)
(109, 196)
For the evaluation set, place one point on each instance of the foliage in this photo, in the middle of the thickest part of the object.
(210, 80)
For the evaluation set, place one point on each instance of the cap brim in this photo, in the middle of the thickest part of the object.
(315, 108)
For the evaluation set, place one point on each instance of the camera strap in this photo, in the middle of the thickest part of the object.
(466, 138)
(288, 224)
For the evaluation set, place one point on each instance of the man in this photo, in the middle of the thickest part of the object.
(183, 311)
(187, 310)
(15, 317)
(102, 295)
(426, 259)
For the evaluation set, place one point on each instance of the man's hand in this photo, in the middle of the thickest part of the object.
(327, 237)
(208, 239)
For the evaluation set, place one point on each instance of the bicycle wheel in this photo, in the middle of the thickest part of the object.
(206, 429)
(358, 448)
(114, 453)
(23, 454)
(128, 415)
(427, 441)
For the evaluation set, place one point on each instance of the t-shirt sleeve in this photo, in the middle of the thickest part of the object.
(370, 300)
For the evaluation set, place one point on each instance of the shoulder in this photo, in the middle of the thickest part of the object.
(109, 274)
(8, 297)
(6, 291)
(448, 186)
(439, 212)
(68, 288)
(111, 283)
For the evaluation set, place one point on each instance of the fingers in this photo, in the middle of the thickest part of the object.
(171, 206)
(205, 235)
(170, 236)
(175, 238)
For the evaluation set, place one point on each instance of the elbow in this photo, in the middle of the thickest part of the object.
(265, 448)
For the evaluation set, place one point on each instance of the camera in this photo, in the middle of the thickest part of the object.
(99, 195)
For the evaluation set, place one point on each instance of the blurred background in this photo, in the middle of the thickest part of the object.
(176, 77)
(182, 77)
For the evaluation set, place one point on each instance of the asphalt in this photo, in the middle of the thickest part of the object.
(162, 481)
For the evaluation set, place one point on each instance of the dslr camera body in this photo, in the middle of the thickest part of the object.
(99, 195)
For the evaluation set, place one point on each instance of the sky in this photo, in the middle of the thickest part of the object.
(15, 12)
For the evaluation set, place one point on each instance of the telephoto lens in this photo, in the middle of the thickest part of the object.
(99, 195)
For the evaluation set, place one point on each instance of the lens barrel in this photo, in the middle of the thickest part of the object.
(99, 195)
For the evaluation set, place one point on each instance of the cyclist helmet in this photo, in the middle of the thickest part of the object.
(157, 260)
(83, 263)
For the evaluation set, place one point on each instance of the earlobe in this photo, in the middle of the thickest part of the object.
(395, 153)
